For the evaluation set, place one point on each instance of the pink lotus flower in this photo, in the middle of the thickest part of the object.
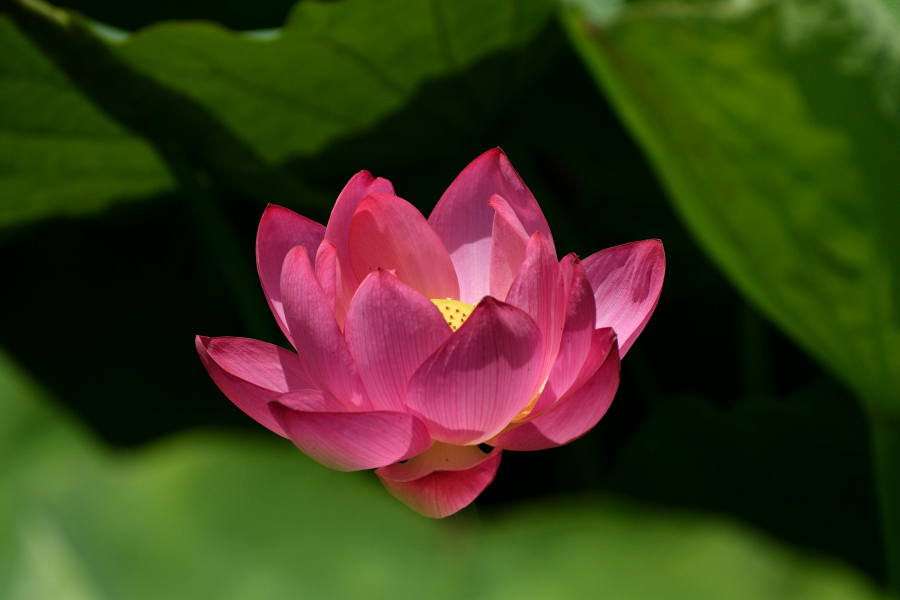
(417, 340)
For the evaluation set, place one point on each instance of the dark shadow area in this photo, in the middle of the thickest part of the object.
(233, 14)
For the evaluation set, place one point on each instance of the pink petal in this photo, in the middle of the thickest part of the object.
(328, 272)
(351, 441)
(280, 230)
(627, 281)
(250, 373)
(388, 232)
(573, 416)
(317, 337)
(577, 334)
(603, 341)
(464, 220)
(508, 241)
(482, 376)
(391, 329)
(338, 230)
(309, 401)
(443, 480)
(538, 290)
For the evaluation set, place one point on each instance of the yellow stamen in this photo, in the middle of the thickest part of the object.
(454, 311)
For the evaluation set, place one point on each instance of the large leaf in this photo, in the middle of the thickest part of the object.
(59, 154)
(774, 126)
(215, 516)
(237, 105)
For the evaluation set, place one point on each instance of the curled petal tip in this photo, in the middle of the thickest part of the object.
(627, 281)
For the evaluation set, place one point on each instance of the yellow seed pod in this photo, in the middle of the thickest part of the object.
(454, 311)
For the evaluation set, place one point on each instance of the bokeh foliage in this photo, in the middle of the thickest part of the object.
(775, 125)
(204, 516)
(770, 126)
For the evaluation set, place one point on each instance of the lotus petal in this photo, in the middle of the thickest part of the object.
(250, 373)
(318, 339)
(464, 220)
(627, 281)
(349, 441)
(442, 480)
(388, 232)
(338, 229)
(391, 330)
(481, 377)
(571, 417)
(280, 230)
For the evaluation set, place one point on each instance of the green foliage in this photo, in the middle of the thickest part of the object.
(59, 154)
(203, 516)
(235, 105)
(774, 126)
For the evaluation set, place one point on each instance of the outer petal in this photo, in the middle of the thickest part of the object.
(572, 417)
(577, 334)
(251, 373)
(328, 272)
(338, 230)
(317, 338)
(309, 401)
(508, 242)
(603, 341)
(390, 233)
(391, 329)
(482, 376)
(464, 220)
(351, 441)
(280, 230)
(627, 281)
(538, 290)
(443, 480)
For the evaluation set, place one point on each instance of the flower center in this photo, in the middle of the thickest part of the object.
(454, 311)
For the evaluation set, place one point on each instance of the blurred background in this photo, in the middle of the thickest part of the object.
(758, 139)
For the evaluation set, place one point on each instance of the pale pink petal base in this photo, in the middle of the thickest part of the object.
(443, 480)
(572, 417)
(250, 373)
(627, 281)
(464, 220)
(351, 441)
